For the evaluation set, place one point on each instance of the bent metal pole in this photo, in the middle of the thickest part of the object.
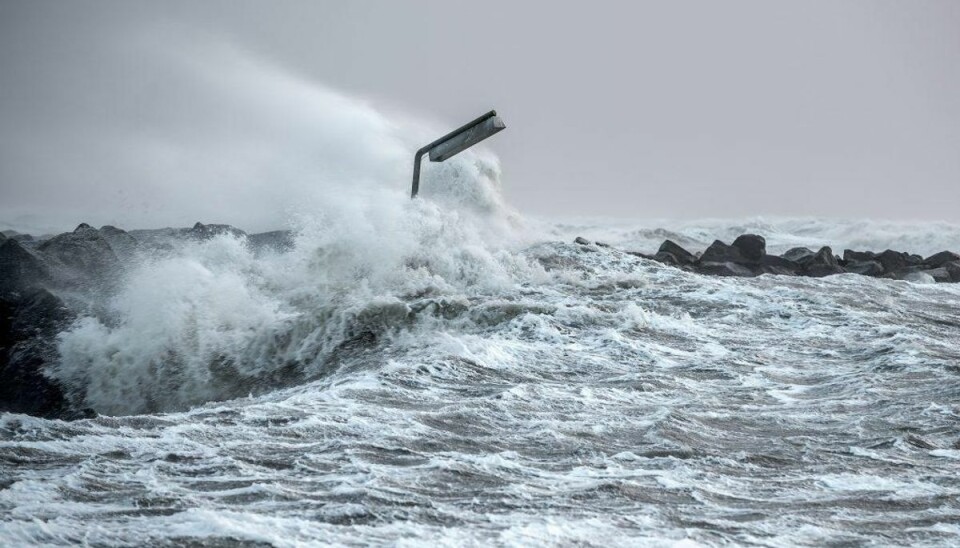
(455, 142)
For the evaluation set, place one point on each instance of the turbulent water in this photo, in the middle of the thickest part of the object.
(447, 371)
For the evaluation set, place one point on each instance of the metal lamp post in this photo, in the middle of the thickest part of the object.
(455, 142)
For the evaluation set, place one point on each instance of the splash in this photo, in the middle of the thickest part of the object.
(210, 321)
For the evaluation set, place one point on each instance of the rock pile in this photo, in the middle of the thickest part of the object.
(45, 283)
(747, 256)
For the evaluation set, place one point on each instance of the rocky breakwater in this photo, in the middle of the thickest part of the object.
(48, 282)
(747, 256)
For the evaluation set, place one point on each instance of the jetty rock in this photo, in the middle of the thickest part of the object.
(747, 256)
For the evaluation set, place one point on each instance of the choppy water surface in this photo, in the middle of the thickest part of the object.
(587, 397)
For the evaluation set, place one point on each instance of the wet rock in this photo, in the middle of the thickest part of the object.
(81, 255)
(953, 268)
(939, 259)
(719, 252)
(580, 240)
(893, 261)
(822, 263)
(724, 269)
(799, 255)
(851, 256)
(776, 260)
(19, 268)
(666, 258)
(940, 275)
(277, 240)
(865, 268)
(29, 322)
(681, 255)
(201, 231)
(751, 247)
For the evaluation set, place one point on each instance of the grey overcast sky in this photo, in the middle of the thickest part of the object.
(668, 109)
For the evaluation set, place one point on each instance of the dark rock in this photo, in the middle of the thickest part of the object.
(602, 244)
(681, 255)
(894, 260)
(3, 237)
(751, 247)
(799, 255)
(581, 240)
(953, 268)
(277, 240)
(776, 270)
(858, 256)
(901, 273)
(19, 268)
(939, 259)
(666, 258)
(781, 262)
(82, 254)
(773, 264)
(724, 269)
(29, 322)
(940, 275)
(719, 252)
(201, 231)
(822, 263)
(865, 268)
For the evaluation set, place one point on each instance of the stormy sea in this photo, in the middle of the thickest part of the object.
(450, 371)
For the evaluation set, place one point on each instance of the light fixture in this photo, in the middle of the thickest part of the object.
(456, 142)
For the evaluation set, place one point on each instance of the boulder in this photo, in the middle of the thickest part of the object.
(29, 323)
(82, 255)
(799, 255)
(865, 268)
(893, 261)
(774, 264)
(851, 256)
(953, 268)
(751, 247)
(939, 259)
(723, 269)
(719, 252)
(580, 240)
(681, 255)
(201, 231)
(822, 263)
(940, 275)
(19, 268)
